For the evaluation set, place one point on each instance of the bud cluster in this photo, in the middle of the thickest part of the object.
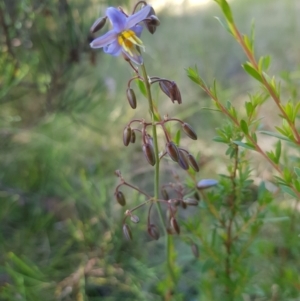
(177, 154)
(173, 196)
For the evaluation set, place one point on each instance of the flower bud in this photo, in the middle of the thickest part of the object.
(127, 135)
(193, 163)
(182, 160)
(206, 183)
(172, 151)
(153, 231)
(149, 153)
(175, 225)
(134, 218)
(165, 194)
(195, 250)
(127, 232)
(131, 97)
(98, 24)
(151, 21)
(171, 90)
(191, 202)
(189, 131)
(132, 138)
(120, 198)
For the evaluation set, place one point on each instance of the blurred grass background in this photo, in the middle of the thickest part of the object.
(63, 110)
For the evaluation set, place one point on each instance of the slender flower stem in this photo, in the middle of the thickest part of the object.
(156, 173)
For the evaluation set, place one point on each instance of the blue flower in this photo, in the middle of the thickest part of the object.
(124, 36)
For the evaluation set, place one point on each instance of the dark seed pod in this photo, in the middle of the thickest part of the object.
(172, 151)
(193, 162)
(165, 194)
(196, 196)
(182, 160)
(127, 232)
(131, 97)
(151, 22)
(171, 90)
(153, 231)
(191, 202)
(195, 250)
(170, 231)
(127, 135)
(183, 204)
(175, 225)
(120, 198)
(176, 202)
(98, 24)
(149, 153)
(149, 139)
(189, 131)
(135, 219)
(133, 136)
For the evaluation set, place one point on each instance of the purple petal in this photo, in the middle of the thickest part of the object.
(113, 49)
(104, 40)
(206, 183)
(137, 29)
(138, 59)
(117, 19)
(138, 17)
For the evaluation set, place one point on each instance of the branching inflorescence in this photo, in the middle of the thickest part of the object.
(124, 38)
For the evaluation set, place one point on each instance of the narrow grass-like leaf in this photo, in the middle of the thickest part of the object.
(274, 135)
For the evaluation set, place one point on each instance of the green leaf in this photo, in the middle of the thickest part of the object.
(276, 219)
(194, 76)
(249, 108)
(28, 269)
(278, 151)
(220, 139)
(297, 184)
(272, 156)
(297, 171)
(245, 145)
(226, 10)
(177, 137)
(275, 135)
(244, 127)
(141, 87)
(288, 190)
(252, 72)
(225, 26)
(248, 43)
(264, 63)
(254, 137)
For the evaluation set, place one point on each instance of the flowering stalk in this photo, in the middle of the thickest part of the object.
(156, 175)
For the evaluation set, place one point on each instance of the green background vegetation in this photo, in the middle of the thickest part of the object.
(62, 113)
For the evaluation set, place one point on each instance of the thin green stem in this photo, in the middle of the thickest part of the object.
(156, 173)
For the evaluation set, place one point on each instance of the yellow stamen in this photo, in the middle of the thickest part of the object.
(128, 39)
